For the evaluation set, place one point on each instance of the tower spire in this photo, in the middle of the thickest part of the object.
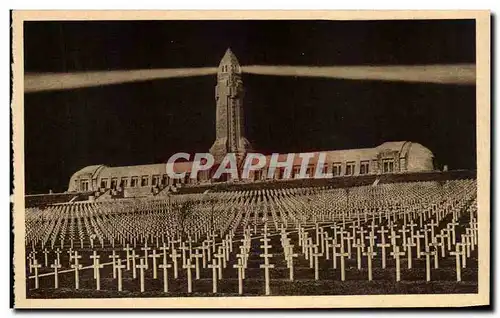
(229, 92)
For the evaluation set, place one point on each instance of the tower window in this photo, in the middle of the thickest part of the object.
(364, 167)
(155, 181)
(124, 183)
(144, 181)
(337, 169)
(309, 171)
(85, 185)
(325, 168)
(104, 183)
(388, 165)
(281, 173)
(296, 172)
(134, 182)
(349, 168)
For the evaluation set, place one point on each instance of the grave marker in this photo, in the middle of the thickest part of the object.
(77, 266)
(369, 255)
(154, 256)
(457, 253)
(36, 266)
(188, 267)
(241, 269)
(127, 250)
(396, 254)
(113, 258)
(56, 267)
(342, 262)
(119, 266)
(46, 252)
(142, 266)
(316, 265)
(96, 267)
(214, 266)
(428, 255)
(165, 266)
(174, 256)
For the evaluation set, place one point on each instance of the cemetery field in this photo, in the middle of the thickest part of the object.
(298, 288)
(280, 287)
(405, 238)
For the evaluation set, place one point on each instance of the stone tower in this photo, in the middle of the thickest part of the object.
(230, 129)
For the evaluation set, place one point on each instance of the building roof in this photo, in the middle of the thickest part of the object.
(87, 172)
(330, 156)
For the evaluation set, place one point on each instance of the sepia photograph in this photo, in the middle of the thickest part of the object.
(251, 159)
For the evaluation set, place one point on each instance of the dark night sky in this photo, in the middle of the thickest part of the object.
(142, 123)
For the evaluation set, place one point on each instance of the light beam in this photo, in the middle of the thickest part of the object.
(65, 81)
(461, 74)
(458, 74)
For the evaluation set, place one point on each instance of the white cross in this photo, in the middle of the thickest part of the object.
(46, 252)
(56, 267)
(358, 245)
(403, 232)
(266, 266)
(241, 268)
(349, 238)
(184, 248)
(164, 249)
(188, 267)
(154, 256)
(436, 246)
(214, 266)
(396, 254)
(316, 265)
(334, 246)
(369, 255)
(409, 244)
(70, 256)
(127, 250)
(457, 253)
(291, 255)
(432, 224)
(418, 236)
(342, 255)
(466, 240)
(113, 258)
(77, 266)
(221, 259)
(428, 255)
(196, 257)
(141, 268)
(451, 227)
(146, 249)
(174, 256)
(96, 267)
(372, 238)
(133, 257)
(441, 237)
(36, 266)
(119, 266)
(165, 266)
(94, 258)
(58, 256)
